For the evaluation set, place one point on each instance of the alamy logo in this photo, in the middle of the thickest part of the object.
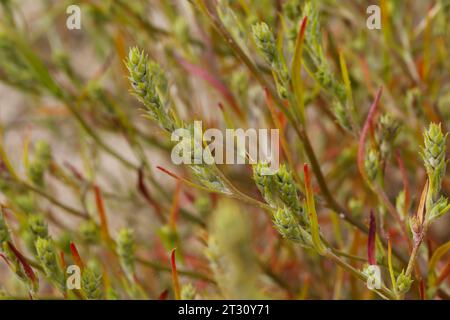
(73, 281)
(373, 277)
(74, 19)
(374, 19)
(239, 146)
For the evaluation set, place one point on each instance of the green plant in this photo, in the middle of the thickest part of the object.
(87, 178)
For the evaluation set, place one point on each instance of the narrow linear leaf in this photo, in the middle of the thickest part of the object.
(297, 85)
(371, 240)
(311, 208)
(175, 280)
(363, 136)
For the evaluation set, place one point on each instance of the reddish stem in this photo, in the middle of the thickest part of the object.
(175, 281)
(25, 265)
(76, 256)
(371, 257)
(364, 132)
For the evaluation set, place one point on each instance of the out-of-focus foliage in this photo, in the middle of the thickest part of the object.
(86, 177)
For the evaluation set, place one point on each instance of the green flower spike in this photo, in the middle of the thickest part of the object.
(288, 226)
(372, 164)
(149, 85)
(433, 154)
(265, 42)
(125, 250)
(188, 292)
(91, 283)
(38, 227)
(47, 257)
(403, 283)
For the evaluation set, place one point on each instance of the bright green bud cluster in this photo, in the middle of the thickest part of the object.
(286, 187)
(264, 182)
(125, 250)
(149, 86)
(323, 73)
(403, 283)
(205, 173)
(386, 133)
(433, 154)
(38, 227)
(326, 79)
(287, 225)
(265, 42)
(279, 189)
(371, 164)
(341, 114)
(439, 207)
(313, 35)
(91, 283)
(47, 258)
(188, 292)
(14, 68)
(89, 232)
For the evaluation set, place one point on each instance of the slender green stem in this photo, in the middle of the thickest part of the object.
(332, 203)
(414, 254)
(384, 292)
(161, 267)
(97, 138)
(54, 201)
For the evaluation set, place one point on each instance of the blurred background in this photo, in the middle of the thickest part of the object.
(100, 138)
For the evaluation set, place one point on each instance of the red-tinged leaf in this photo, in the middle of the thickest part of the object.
(296, 69)
(24, 263)
(76, 256)
(173, 175)
(102, 214)
(303, 28)
(175, 280)
(187, 182)
(307, 177)
(422, 289)
(213, 81)
(146, 194)
(365, 131)
(164, 295)
(371, 257)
